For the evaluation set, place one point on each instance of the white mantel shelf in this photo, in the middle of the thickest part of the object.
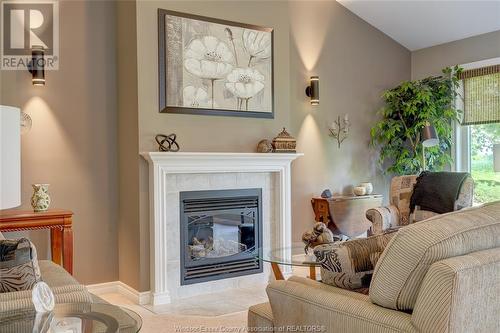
(193, 162)
(162, 164)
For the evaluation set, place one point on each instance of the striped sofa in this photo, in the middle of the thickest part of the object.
(19, 305)
(438, 275)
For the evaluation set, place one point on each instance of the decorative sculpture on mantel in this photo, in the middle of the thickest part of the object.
(264, 146)
(339, 130)
(284, 142)
(167, 142)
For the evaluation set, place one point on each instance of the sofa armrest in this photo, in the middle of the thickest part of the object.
(382, 218)
(328, 309)
(466, 196)
(18, 300)
(260, 318)
(460, 294)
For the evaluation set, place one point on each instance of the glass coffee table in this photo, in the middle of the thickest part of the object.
(72, 318)
(289, 256)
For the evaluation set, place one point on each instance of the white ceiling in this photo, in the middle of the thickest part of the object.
(417, 24)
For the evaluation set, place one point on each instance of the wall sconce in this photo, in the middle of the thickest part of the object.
(37, 66)
(313, 90)
(339, 129)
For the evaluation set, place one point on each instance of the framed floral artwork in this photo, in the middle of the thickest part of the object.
(214, 67)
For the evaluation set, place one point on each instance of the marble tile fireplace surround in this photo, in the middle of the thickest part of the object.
(173, 173)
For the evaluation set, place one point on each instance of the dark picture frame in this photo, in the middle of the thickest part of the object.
(163, 70)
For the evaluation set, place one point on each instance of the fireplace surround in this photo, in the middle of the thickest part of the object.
(173, 173)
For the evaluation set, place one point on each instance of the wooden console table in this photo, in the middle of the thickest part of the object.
(345, 214)
(59, 222)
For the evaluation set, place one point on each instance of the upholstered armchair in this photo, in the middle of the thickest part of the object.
(398, 212)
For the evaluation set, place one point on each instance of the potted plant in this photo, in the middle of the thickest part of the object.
(408, 107)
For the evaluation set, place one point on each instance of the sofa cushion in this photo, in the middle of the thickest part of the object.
(18, 265)
(54, 275)
(408, 256)
(349, 265)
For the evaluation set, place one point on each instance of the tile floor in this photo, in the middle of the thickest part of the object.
(217, 312)
(214, 304)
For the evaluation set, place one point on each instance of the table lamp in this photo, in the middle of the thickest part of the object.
(496, 157)
(429, 139)
(10, 157)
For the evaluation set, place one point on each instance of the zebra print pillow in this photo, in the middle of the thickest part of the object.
(18, 265)
(349, 265)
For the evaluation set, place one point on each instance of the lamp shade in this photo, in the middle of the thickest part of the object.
(10, 157)
(496, 157)
(429, 136)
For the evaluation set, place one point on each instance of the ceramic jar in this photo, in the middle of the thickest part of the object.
(359, 190)
(368, 186)
(40, 201)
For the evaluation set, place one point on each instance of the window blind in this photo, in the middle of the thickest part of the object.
(481, 95)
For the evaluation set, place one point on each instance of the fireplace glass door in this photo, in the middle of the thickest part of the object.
(220, 233)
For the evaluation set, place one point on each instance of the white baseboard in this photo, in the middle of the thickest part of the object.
(121, 288)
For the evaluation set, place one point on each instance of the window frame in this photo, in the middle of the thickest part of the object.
(461, 146)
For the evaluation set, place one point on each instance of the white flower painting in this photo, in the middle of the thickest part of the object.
(210, 66)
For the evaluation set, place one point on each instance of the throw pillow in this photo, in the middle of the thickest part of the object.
(18, 265)
(349, 265)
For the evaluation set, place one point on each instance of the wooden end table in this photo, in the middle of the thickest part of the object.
(59, 221)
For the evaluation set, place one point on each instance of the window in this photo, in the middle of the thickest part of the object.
(487, 181)
(480, 127)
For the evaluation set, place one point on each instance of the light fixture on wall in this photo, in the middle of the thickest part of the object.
(429, 138)
(496, 157)
(313, 90)
(37, 65)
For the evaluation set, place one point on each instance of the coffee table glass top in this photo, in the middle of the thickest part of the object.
(291, 256)
(73, 317)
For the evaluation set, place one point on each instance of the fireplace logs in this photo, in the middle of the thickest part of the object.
(211, 248)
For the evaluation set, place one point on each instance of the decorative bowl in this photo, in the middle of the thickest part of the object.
(368, 186)
(359, 190)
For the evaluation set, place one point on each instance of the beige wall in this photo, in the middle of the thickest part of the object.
(355, 63)
(72, 144)
(430, 61)
(85, 141)
(204, 133)
(128, 151)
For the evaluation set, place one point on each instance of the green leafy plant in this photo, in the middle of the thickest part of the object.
(407, 108)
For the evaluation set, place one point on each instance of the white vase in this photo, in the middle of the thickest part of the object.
(368, 186)
(40, 201)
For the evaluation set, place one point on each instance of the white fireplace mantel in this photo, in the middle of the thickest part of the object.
(162, 164)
